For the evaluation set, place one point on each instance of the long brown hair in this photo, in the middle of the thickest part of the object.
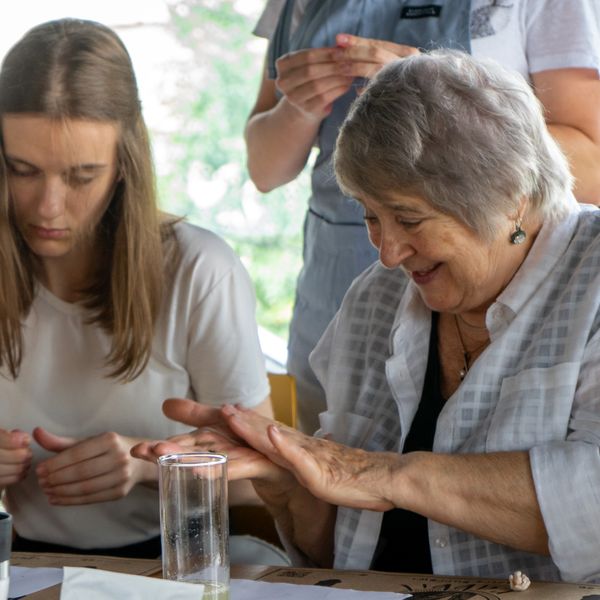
(80, 69)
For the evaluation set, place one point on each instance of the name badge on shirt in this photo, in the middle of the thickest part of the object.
(421, 12)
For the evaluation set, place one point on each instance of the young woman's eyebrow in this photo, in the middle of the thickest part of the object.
(81, 167)
(16, 159)
(90, 167)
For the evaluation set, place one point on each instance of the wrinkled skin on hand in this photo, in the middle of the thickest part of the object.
(276, 457)
(335, 473)
(213, 434)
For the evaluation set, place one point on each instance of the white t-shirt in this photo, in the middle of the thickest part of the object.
(205, 347)
(526, 35)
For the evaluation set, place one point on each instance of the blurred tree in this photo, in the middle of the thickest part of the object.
(206, 178)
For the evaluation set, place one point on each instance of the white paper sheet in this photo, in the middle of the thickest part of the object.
(26, 580)
(96, 584)
(243, 589)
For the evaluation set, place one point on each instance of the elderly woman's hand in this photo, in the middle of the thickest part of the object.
(335, 473)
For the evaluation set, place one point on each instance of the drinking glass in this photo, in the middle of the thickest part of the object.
(194, 520)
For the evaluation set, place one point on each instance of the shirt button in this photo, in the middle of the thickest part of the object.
(441, 542)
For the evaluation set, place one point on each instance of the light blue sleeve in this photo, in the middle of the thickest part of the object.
(567, 480)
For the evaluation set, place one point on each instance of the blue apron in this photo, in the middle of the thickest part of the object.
(336, 246)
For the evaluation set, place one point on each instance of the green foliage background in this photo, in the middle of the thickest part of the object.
(206, 179)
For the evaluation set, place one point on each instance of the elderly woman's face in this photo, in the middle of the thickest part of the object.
(454, 269)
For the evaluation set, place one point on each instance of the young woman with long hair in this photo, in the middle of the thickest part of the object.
(107, 305)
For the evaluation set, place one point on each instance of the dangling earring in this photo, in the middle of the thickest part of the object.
(518, 235)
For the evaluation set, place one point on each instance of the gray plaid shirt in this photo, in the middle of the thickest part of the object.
(536, 387)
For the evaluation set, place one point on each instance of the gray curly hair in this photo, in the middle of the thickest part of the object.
(467, 135)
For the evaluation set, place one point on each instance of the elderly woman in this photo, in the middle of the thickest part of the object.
(462, 369)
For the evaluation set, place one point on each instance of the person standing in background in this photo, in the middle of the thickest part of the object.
(319, 56)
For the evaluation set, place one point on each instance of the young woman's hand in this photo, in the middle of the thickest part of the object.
(15, 456)
(95, 469)
(212, 434)
(301, 518)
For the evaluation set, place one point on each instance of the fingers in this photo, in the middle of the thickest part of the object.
(87, 459)
(367, 48)
(152, 451)
(303, 59)
(110, 486)
(254, 429)
(316, 97)
(199, 440)
(52, 442)
(204, 418)
(292, 451)
(243, 462)
(15, 456)
(190, 412)
(161, 448)
(94, 470)
(15, 439)
(75, 451)
(311, 80)
(78, 471)
(249, 426)
(212, 431)
(364, 57)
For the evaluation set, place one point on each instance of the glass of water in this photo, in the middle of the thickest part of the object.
(194, 520)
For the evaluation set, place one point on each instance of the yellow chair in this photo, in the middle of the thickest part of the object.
(283, 398)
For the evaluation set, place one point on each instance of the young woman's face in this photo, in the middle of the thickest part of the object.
(61, 177)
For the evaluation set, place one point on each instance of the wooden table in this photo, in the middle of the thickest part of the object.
(430, 587)
(133, 566)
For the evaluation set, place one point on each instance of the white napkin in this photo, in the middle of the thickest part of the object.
(244, 589)
(95, 584)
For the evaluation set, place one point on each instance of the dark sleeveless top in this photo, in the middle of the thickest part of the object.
(403, 542)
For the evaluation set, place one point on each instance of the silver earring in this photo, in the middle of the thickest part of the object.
(518, 235)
